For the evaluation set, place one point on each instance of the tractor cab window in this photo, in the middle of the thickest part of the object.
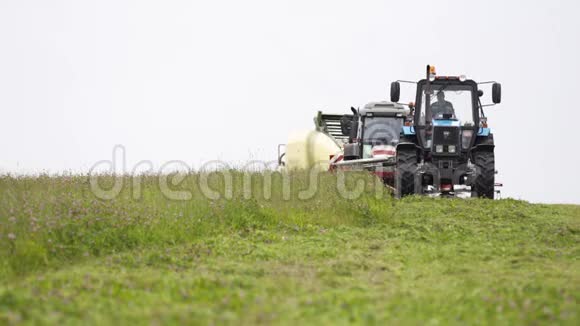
(382, 130)
(449, 102)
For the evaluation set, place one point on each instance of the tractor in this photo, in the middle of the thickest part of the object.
(447, 148)
(373, 134)
(363, 140)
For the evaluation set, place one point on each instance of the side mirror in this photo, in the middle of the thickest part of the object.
(479, 93)
(353, 130)
(496, 93)
(345, 124)
(395, 91)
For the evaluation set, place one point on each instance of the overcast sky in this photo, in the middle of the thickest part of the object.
(229, 80)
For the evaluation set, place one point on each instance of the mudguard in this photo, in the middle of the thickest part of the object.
(407, 145)
(484, 143)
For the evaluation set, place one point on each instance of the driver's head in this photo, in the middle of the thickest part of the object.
(441, 96)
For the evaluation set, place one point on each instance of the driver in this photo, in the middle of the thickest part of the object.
(442, 107)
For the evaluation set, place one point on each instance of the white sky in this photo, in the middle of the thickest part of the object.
(229, 80)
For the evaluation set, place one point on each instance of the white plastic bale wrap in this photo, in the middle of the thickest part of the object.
(308, 149)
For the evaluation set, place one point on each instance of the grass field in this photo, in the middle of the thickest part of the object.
(67, 257)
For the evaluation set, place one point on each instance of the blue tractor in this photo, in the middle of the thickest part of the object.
(446, 147)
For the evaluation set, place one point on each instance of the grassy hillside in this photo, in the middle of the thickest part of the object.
(69, 257)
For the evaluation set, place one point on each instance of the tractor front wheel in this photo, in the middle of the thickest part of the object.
(405, 172)
(484, 183)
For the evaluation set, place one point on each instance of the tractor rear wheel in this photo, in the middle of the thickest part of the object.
(484, 183)
(405, 172)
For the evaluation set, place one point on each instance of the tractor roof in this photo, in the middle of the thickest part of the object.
(387, 108)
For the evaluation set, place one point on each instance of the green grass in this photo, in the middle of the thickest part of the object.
(67, 257)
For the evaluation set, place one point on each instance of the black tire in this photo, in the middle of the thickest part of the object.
(395, 91)
(484, 183)
(405, 172)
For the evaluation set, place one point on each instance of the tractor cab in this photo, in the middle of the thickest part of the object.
(447, 124)
(376, 127)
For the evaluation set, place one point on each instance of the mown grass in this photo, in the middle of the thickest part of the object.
(70, 258)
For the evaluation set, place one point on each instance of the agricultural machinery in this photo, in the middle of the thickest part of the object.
(439, 145)
(448, 148)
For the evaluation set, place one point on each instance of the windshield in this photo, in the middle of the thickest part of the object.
(450, 102)
(382, 130)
